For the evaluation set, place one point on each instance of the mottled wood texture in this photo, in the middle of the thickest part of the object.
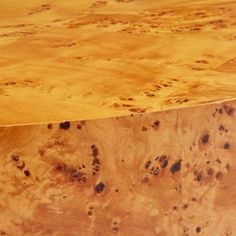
(94, 59)
(117, 118)
(165, 173)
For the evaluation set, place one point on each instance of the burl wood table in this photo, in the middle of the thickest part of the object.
(117, 117)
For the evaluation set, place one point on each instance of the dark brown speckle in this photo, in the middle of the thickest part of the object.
(99, 187)
(15, 157)
(164, 163)
(176, 167)
(226, 145)
(49, 126)
(61, 167)
(205, 138)
(162, 158)
(27, 173)
(219, 175)
(156, 124)
(198, 229)
(65, 125)
(147, 165)
(144, 128)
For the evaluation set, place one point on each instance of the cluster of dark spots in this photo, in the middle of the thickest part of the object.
(154, 171)
(27, 173)
(125, 105)
(176, 100)
(157, 87)
(222, 128)
(218, 160)
(100, 187)
(162, 158)
(202, 61)
(205, 138)
(97, 168)
(15, 158)
(138, 110)
(176, 167)
(226, 145)
(90, 211)
(72, 173)
(96, 162)
(82, 167)
(198, 229)
(49, 126)
(76, 175)
(81, 124)
(144, 128)
(148, 164)
(198, 175)
(64, 125)
(229, 110)
(126, 98)
(115, 225)
(95, 150)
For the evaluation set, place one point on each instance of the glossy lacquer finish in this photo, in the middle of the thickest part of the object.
(117, 117)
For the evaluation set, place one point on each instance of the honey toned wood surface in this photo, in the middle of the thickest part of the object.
(169, 174)
(79, 60)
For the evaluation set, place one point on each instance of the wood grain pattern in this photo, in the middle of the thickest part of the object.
(79, 60)
(117, 118)
(164, 173)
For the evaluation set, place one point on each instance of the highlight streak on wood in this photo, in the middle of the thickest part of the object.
(94, 59)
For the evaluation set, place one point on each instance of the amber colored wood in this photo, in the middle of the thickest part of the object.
(90, 59)
(163, 173)
(117, 118)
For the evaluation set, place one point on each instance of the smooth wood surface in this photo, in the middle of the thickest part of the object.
(87, 59)
(117, 118)
(169, 174)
